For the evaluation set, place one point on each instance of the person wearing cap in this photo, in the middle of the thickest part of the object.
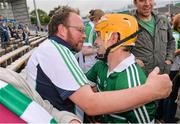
(120, 71)
(53, 71)
(86, 57)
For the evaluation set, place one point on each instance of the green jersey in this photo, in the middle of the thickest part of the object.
(176, 63)
(176, 36)
(148, 25)
(126, 75)
(90, 34)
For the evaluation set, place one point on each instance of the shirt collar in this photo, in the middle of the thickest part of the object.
(61, 41)
(123, 65)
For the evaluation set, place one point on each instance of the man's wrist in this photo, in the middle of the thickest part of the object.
(151, 95)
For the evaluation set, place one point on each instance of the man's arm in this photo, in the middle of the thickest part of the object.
(156, 87)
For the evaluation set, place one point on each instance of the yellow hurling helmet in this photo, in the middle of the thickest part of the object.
(123, 24)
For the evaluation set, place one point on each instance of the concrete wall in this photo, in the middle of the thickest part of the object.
(6, 11)
(20, 11)
(17, 9)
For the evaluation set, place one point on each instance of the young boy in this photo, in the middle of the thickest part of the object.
(120, 71)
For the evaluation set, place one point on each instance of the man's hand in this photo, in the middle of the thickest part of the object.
(140, 62)
(168, 62)
(160, 85)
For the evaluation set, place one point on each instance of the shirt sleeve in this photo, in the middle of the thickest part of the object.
(61, 67)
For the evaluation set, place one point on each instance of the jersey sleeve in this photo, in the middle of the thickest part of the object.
(93, 73)
(61, 67)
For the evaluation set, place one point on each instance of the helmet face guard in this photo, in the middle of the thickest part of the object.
(125, 25)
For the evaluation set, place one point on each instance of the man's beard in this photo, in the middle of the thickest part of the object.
(70, 40)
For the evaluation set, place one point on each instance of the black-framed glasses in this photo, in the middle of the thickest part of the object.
(80, 29)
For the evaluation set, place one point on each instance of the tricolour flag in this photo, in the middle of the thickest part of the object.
(23, 106)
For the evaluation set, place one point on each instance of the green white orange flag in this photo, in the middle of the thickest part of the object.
(23, 106)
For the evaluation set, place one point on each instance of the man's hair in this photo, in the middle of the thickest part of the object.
(60, 17)
(176, 21)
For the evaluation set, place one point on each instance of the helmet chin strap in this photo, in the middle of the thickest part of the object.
(103, 57)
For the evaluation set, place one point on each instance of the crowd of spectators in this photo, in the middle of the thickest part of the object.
(13, 30)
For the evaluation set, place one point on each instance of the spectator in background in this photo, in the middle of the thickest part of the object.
(25, 34)
(10, 29)
(155, 45)
(20, 26)
(42, 29)
(37, 29)
(13, 31)
(171, 105)
(86, 57)
(1, 17)
(1, 32)
(4, 36)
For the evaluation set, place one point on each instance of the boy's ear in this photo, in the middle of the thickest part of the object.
(115, 37)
